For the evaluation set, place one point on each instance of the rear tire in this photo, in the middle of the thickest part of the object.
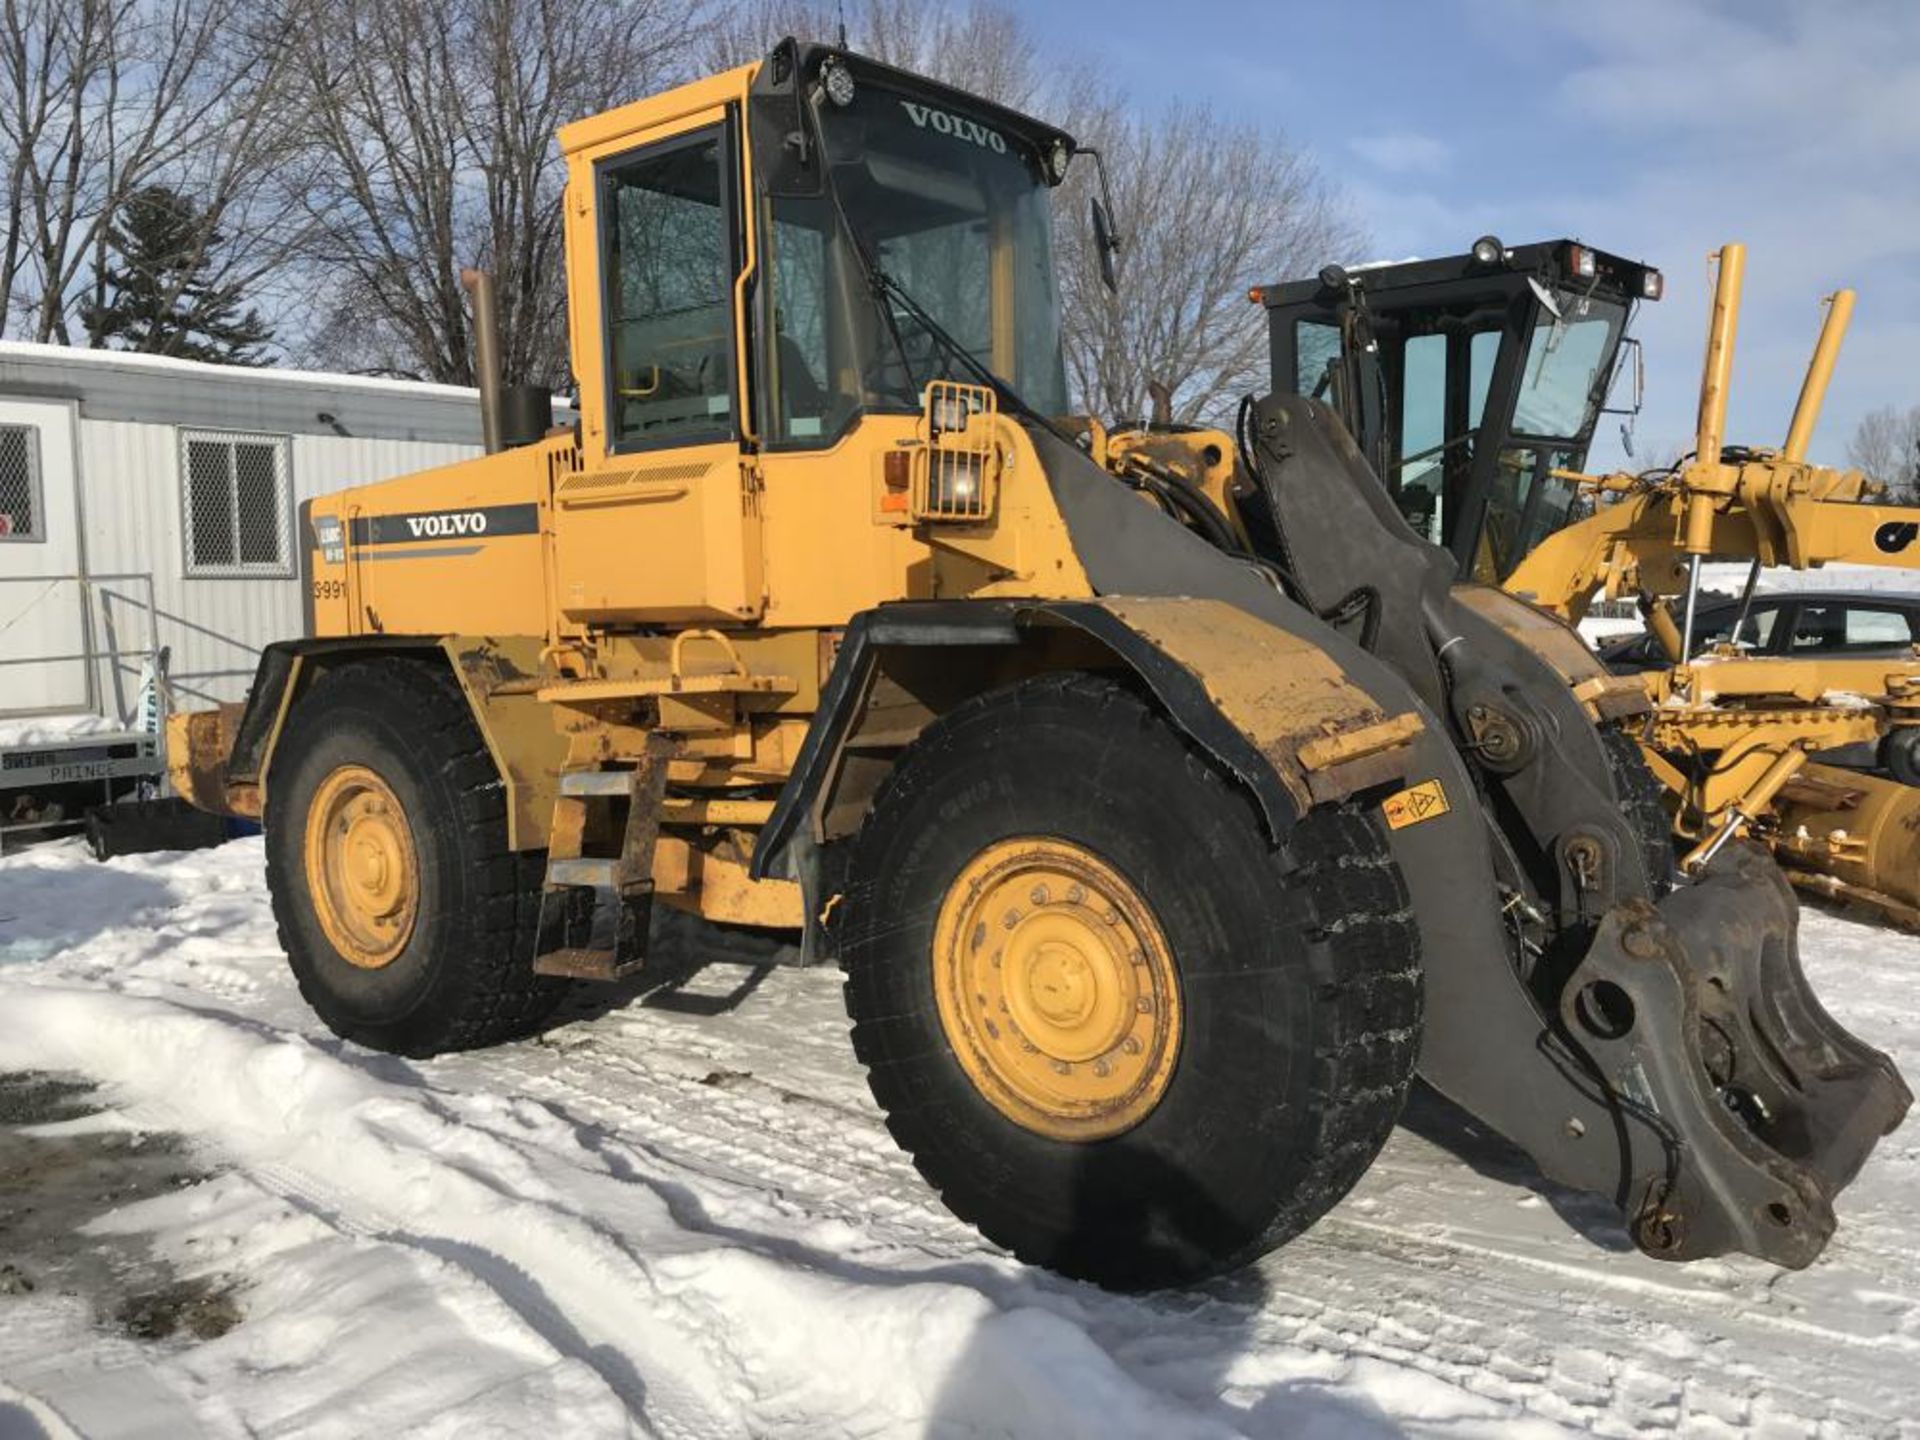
(1296, 976)
(450, 967)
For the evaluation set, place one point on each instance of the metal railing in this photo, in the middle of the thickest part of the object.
(43, 782)
(95, 593)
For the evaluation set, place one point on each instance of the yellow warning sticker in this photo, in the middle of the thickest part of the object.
(1425, 801)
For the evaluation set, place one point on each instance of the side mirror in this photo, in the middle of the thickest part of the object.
(1630, 353)
(1105, 243)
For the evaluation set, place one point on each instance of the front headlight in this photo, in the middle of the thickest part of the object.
(837, 80)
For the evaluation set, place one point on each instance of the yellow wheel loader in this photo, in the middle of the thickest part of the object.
(1167, 803)
(1475, 384)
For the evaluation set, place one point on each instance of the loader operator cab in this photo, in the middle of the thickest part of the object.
(1467, 381)
(893, 223)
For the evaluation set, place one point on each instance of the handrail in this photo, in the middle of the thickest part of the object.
(93, 655)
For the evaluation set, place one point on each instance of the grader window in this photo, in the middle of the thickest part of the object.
(669, 267)
(1317, 346)
(1561, 386)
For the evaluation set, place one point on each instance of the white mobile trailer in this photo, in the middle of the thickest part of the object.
(150, 504)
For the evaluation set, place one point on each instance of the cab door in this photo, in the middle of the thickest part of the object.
(42, 604)
(662, 524)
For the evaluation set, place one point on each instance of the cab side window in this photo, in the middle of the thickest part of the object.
(668, 261)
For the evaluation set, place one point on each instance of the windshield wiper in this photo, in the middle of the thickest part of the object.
(1009, 398)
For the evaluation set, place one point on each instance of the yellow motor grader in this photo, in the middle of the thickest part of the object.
(1166, 800)
(1476, 382)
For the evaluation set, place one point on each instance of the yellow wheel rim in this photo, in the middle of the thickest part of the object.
(1057, 989)
(361, 870)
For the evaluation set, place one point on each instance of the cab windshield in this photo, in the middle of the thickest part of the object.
(952, 210)
(1569, 362)
(1563, 384)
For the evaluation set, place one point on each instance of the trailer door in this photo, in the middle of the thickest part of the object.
(42, 605)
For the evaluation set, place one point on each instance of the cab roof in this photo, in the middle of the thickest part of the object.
(807, 56)
(1549, 261)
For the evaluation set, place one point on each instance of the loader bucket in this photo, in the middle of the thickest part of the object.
(1645, 1037)
(1744, 1107)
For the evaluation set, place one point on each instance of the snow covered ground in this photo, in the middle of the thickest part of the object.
(52, 729)
(683, 1217)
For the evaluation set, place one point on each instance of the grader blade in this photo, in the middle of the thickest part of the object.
(1852, 838)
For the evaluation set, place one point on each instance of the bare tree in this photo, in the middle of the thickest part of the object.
(981, 47)
(101, 98)
(1205, 209)
(1886, 446)
(432, 126)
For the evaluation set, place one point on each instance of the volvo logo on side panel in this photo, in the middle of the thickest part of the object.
(439, 527)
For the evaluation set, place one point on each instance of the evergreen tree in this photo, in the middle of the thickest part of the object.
(163, 291)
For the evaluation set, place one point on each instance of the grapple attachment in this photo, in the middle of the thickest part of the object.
(1741, 1106)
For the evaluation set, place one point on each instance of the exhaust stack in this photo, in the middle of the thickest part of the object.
(486, 355)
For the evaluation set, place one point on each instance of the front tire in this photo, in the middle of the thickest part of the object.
(1116, 1029)
(410, 925)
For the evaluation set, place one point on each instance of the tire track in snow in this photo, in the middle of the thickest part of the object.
(1429, 1269)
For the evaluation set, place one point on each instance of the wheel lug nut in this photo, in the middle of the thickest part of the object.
(1144, 1004)
(1061, 1067)
(1112, 917)
(1076, 895)
(1039, 895)
(1102, 1069)
(1130, 1046)
(1010, 919)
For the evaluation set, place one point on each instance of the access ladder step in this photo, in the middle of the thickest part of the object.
(583, 964)
(599, 784)
(582, 870)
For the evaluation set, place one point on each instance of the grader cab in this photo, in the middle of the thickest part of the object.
(1476, 383)
(1165, 801)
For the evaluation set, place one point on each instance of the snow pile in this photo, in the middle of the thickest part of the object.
(685, 1218)
(1599, 630)
(1730, 578)
(53, 729)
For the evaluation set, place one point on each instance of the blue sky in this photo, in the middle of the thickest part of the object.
(1653, 128)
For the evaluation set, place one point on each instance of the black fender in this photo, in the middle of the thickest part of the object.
(285, 667)
(1259, 738)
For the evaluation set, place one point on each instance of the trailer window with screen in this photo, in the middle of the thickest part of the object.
(237, 502)
(20, 506)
